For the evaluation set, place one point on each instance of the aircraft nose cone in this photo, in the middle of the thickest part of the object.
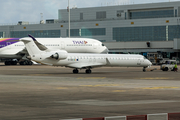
(149, 63)
(106, 50)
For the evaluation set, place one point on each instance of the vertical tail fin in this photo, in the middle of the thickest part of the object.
(31, 46)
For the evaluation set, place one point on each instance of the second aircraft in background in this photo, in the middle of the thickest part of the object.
(82, 61)
(13, 51)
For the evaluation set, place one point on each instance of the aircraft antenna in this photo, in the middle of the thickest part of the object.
(69, 19)
(41, 20)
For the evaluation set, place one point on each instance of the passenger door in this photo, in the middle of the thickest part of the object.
(139, 62)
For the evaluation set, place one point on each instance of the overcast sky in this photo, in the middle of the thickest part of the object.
(13, 11)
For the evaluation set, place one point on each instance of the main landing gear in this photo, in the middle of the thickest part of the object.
(10, 62)
(26, 62)
(88, 71)
(76, 71)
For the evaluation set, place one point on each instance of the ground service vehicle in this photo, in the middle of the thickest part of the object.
(169, 65)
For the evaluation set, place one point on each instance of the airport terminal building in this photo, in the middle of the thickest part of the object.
(134, 28)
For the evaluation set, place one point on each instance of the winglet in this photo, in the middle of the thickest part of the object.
(32, 37)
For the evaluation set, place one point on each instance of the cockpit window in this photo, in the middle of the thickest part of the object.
(103, 45)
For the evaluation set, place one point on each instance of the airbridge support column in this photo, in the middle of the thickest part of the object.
(177, 43)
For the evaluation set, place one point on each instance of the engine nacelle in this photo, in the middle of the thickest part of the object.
(60, 55)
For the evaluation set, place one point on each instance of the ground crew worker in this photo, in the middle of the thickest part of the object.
(175, 68)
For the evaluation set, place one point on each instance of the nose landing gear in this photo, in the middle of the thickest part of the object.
(144, 69)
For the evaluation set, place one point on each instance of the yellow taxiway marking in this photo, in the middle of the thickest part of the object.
(101, 85)
(147, 88)
(155, 88)
(119, 91)
(61, 88)
(39, 74)
(156, 78)
(91, 77)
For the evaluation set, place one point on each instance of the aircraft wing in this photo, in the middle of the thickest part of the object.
(84, 65)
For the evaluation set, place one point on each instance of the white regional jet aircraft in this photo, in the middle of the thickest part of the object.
(11, 48)
(83, 61)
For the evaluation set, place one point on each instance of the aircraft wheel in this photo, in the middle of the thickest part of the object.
(166, 69)
(22, 63)
(75, 71)
(30, 62)
(13, 62)
(88, 71)
(144, 69)
(7, 62)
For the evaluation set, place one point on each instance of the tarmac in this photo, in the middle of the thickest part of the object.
(45, 92)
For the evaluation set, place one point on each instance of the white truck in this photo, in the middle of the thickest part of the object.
(169, 65)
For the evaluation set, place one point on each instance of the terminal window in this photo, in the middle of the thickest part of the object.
(1, 34)
(151, 14)
(37, 33)
(81, 16)
(173, 32)
(87, 32)
(147, 33)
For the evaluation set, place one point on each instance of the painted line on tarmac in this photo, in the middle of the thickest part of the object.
(62, 88)
(91, 77)
(156, 78)
(102, 85)
(39, 74)
(119, 90)
(162, 87)
(147, 88)
(113, 103)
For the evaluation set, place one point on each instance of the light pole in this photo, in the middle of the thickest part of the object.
(69, 19)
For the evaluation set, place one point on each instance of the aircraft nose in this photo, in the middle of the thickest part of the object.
(149, 63)
(106, 50)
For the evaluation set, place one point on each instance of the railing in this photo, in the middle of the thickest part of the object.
(160, 116)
